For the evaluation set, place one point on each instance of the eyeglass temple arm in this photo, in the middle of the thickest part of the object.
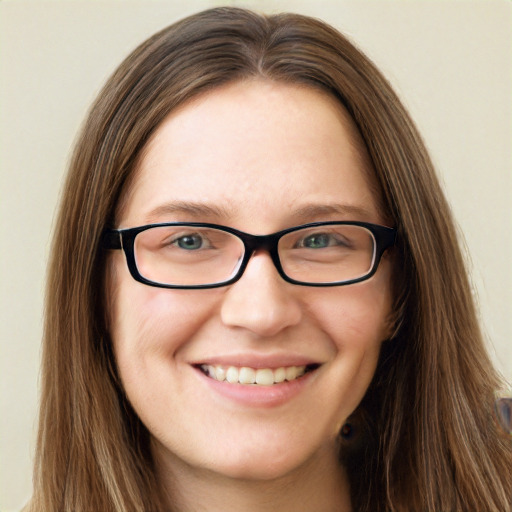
(111, 239)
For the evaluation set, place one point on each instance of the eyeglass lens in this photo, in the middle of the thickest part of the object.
(191, 255)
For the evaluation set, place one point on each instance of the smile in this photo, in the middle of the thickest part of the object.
(252, 376)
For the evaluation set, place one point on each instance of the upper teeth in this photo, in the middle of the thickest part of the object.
(246, 375)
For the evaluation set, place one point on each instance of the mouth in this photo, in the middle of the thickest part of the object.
(256, 376)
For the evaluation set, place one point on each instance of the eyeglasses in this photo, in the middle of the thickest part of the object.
(201, 255)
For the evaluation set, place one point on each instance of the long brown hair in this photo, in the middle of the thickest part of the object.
(427, 436)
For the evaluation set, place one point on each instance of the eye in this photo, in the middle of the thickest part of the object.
(190, 242)
(318, 241)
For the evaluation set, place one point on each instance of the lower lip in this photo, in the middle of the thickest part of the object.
(257, 395)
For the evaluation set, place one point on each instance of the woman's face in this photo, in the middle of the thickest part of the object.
(259, 157)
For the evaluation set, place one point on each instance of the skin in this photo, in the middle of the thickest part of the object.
(260, 157)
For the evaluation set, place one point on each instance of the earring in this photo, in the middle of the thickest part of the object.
(347, 431)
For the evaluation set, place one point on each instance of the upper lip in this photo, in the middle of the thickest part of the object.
(257, 360)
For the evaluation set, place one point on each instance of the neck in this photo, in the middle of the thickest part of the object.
(320, 484)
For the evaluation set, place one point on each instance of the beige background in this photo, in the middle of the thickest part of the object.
(451, 61)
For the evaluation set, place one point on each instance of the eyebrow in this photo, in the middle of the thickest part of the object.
(200, 211)
(345, 210)
(190, 209)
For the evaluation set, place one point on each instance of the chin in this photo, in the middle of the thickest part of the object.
(263, 470)
(275, 460)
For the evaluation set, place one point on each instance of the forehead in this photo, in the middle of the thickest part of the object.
(257, 147)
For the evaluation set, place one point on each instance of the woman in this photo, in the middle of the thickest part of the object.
(191, 363)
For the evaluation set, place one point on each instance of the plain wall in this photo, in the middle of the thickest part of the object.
(450, 61)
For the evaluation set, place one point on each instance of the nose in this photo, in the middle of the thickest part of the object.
(261, 301)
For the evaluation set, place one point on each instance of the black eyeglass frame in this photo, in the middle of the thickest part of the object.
(125, 239)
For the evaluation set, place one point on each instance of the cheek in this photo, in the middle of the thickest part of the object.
(357, 321)
(352, 373)
(150, 325)
(358, 316)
